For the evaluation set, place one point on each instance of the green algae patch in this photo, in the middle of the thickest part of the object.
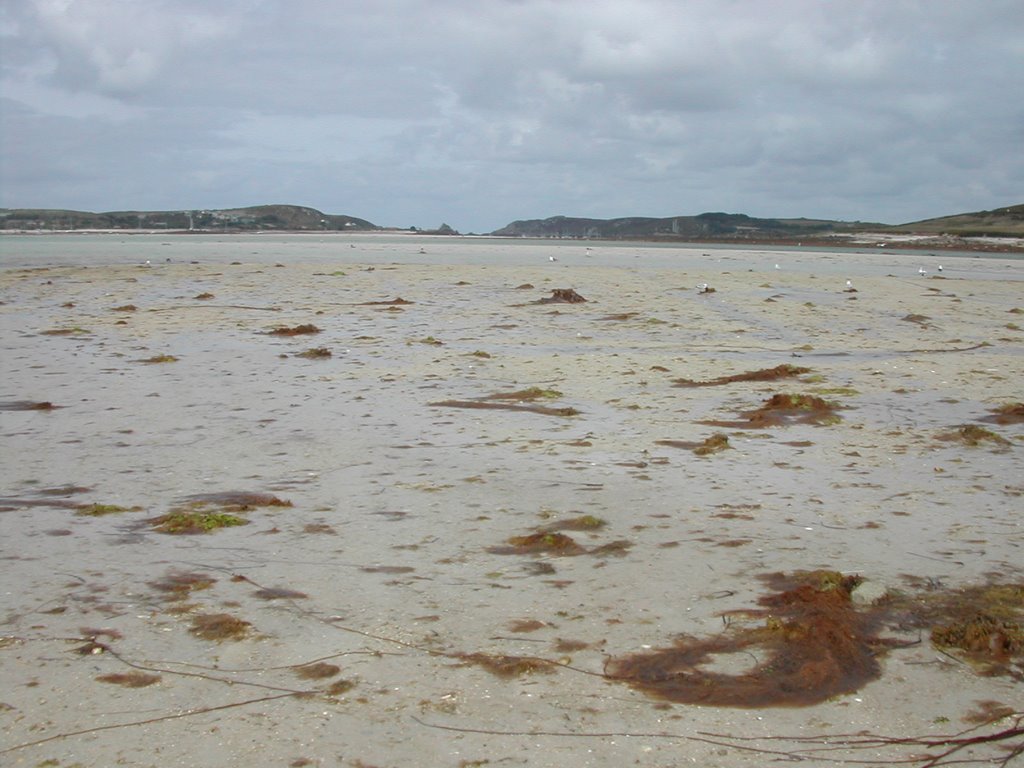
(195, 521)
(99, 510)
(158, 359)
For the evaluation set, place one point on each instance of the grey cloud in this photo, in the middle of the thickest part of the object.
(497, 110)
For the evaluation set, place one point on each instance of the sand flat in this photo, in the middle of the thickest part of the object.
(385, 564)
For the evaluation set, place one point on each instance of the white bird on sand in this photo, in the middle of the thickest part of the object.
(849, 283)
(777, 266)
(940, 267)
(552, 258)
(703, 288)
(922, 271)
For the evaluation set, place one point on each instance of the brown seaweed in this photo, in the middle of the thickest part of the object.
(507, 666)
(782, 410)
(397, 301)
(972, 435)
(716, 443)
(178, 585)
(27, 405)
(316, 353)
(133, 679)
(1011, 413)
(219, 626)
(492, 405)
(297, 330)
(539, 543)
(317, 671)
(813, 645)
(784, 371)
(238, 501)
(562, 296)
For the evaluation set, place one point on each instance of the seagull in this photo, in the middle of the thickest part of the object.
(777, 266)
(552, 258)
(922, 271)
(940, 267)
(849, 283)
(704, 288)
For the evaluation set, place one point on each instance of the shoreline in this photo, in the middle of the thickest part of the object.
(839, 241)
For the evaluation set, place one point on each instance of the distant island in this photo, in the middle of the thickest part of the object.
(1001, 229)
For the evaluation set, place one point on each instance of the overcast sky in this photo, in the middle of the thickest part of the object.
(478, 112)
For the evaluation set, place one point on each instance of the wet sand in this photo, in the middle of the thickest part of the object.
(393, 563)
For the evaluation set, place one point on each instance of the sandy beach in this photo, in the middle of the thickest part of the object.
(454, 510)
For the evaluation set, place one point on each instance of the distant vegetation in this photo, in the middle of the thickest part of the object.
(1001, 222)
(255, 218)
(704, 226)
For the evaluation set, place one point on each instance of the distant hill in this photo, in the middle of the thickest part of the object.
(287, 218)
(1000, 222)
(732, 227)
(705, 226)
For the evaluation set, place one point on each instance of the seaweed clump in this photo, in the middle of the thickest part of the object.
(185, 521)
(1011, 413)
(219, 626)
(562, 296)
(783, 409)
(317, 671)
(508, 666)
(316, 353)
(972, 435)
(716, 443)
(178, 585)
(297, 330)
(814, 645)
(207, 512)
(27, 405)
(983, 625)
(784, 371)
(539, 543)
(578, 523)
(99, 510)
(132, 679)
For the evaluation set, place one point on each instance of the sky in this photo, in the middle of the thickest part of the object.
(475, 113)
